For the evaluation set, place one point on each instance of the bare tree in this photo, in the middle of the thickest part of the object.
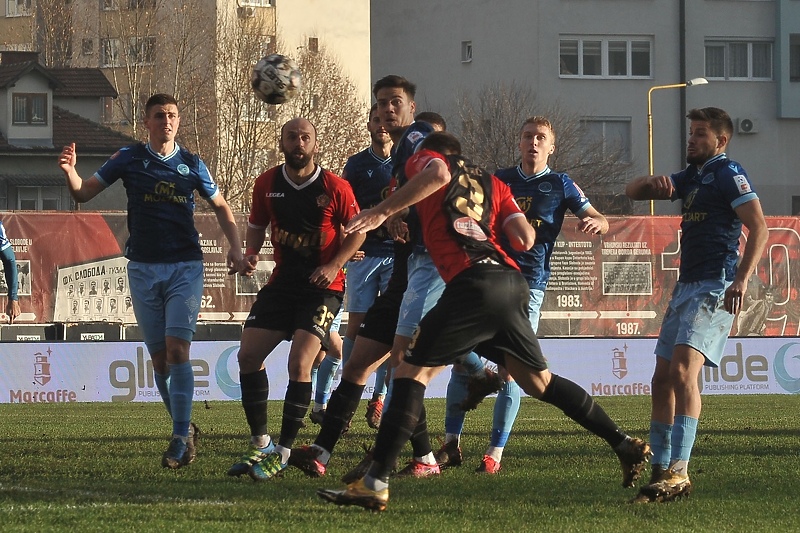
(329, 100)
(490, 126)
(246, 128)
(54, 32)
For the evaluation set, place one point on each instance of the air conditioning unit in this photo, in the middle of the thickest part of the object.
(747, 125)
(245, 12)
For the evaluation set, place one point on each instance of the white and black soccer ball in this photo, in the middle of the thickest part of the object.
(276, 79)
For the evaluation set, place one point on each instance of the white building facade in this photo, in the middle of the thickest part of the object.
(600, 58)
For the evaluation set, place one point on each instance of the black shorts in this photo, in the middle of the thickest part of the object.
(483, 309)
(380, 321)
(288, 309)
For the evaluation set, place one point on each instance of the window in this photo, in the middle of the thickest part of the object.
(141, 4)
(605, 57)
(466, 51)
(739, 60)
(794, 57)
(142, 50)
(87, 47)
(608, 137)
(39, 198)
(313, 44)
(18, 8)
(30, 108)
(109, 53)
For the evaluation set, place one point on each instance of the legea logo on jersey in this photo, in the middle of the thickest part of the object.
(619, 362)
(41, 368)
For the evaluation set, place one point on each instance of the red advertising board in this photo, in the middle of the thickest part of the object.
(72, 269)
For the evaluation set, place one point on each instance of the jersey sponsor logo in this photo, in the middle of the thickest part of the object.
(274, 195)
(414, 137)
(524, 202)
(183, 170)
(742, 184)
(470, 228)
(323, 200)
(545, 187)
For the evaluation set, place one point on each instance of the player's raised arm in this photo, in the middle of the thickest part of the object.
(81, 190)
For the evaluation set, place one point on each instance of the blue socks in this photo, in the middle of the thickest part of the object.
(162, 383)
(661, 443)
(380, 380)
(181, 393)
(325, 375)
(506, 407)
(683, 436)
(456, 393)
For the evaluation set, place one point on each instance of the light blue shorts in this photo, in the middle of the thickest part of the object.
(696, 317)
(535, 308)
(166, 300)
(365, 280)
(425, 286)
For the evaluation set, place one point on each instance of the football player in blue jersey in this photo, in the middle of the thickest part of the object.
(717, 200)
(369, 173)
(10, 273)
(545, 196)
(165, 267)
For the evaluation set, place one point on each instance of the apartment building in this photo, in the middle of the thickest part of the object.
(601, 58)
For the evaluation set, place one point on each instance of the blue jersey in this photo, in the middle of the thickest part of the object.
(544, 198)
(401, 153)
(160, 201)
(4, 242)
(710, 228)
(369, 176)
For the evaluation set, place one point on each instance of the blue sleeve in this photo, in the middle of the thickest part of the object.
(10, 271)
(206, 185)
(576, 200)
(735, 185)
(114, 167)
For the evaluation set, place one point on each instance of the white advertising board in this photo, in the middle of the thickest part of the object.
(33, 372)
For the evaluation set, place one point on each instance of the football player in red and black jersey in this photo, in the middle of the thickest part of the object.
(462, 210)
(304, 206)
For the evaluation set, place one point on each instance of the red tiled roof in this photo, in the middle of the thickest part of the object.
(82, 82)
(10, 73)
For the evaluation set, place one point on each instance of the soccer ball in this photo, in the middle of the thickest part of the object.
(276, 79)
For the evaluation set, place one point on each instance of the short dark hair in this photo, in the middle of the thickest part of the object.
(719, 120)
(432, 118)
(372, 109)
(393, 81)
(159, 99)
(443, 142)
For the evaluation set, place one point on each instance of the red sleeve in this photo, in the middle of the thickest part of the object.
(420, 160)
(259, 211)
(346, 204)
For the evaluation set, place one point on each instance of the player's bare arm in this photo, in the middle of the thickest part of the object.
(432, 178)
(324, 275)
(254, 240)
(593, 222)
(81, 190)
(752, 217)
(228, 225)
(650, 188)
(521, 235)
